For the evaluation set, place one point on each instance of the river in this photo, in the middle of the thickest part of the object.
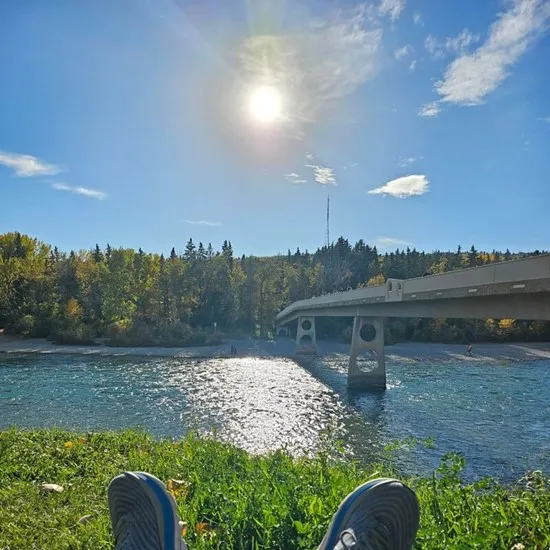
(496, 415)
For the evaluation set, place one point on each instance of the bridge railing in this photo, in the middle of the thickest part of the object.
(534, 267)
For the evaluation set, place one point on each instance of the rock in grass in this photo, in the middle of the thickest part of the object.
(51, 488)
(85, 519)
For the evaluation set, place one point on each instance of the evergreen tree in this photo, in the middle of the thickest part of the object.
(201, 253)
(97, 254)
(163, 284)
(472, 257)
(189, 253)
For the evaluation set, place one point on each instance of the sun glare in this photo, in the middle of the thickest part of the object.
(265, 104)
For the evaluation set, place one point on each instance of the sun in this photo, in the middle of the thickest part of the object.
(265, 104)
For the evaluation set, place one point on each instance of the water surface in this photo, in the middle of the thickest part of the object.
(498, 416)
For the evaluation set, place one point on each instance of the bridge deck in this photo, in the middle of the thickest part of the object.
(518, 289)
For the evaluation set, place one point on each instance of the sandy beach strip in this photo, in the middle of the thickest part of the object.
(285, 347)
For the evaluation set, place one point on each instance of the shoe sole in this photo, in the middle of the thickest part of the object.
(359, 498)
(164, 505)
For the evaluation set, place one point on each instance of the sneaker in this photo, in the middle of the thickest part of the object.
(382, 514)
(144, 515)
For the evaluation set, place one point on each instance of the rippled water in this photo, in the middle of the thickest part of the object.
(497, 416)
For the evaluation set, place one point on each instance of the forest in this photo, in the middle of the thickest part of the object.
(198, 295)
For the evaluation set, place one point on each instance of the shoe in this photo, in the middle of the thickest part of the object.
(382, 514)
(144, 516)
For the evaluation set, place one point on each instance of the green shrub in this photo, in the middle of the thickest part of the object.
(44, 327)
(74, 335)
(213, 339)
(173, 334)
(23, 326)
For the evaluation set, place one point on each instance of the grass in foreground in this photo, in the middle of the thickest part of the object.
(230, 499)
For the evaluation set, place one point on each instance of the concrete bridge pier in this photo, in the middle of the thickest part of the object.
(368, 334)
(306, 342)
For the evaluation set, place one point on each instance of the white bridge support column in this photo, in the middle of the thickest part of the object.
(370, 338)
(306, 342)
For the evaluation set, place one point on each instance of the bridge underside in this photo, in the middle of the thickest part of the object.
(531, 307)
(534, 306)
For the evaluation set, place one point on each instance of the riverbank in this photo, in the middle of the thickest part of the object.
(284, 347)
(230, 499)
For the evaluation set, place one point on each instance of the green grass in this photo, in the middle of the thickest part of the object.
(233, 500)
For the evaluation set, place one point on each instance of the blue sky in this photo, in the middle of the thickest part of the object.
(131, 123)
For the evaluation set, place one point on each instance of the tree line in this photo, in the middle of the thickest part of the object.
(195, 296)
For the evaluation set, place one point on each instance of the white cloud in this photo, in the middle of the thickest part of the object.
(403, 52)
(320, 62)
(203, 222)
(405, 161)
(309, 156)
(85, 191)
(460, 43)
(323, 174)
(471, 77)
(27, 166)
(430, 110)
(295, 178)
(412, 66)
(351, 165)
(417, 17)
(406, 186)
(389, 242)
(545, 119)
(433, 47)
(393, 8)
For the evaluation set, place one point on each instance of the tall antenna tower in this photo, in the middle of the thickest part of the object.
(328, 222)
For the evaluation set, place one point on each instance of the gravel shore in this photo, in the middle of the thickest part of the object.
(284, 347)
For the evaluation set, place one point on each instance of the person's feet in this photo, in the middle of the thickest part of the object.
(144, 515)
(382, 514)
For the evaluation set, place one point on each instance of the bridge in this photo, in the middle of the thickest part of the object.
(517, 289)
